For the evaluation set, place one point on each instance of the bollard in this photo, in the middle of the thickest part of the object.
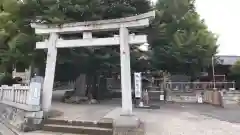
(161, 95)
(146, 97)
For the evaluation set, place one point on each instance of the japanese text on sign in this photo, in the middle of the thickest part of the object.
(138, 85)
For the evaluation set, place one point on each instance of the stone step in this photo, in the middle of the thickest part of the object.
(104, 123)
(183, 94)
(48, 133)
(77, 129)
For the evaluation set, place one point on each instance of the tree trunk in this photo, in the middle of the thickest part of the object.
(79, 93)
(80, 86)
(92, 83)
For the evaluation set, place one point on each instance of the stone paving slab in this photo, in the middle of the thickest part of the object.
(45, 133)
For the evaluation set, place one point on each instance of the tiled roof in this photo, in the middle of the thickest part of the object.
(227, 60)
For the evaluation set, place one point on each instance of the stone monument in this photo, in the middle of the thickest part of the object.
(78, 95)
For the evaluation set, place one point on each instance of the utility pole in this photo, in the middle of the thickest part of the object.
(213, 73)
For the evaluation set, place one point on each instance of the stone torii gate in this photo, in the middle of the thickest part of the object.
(87, 28)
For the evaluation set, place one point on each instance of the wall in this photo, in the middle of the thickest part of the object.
(212, 97)
(226, 99)
(22, 120)
(182, 97)
(231, 99)
(21, 106)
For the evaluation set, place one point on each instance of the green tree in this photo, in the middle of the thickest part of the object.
(235, 73)
(180, 40)
(92, 61)
(235, 70)
(16, 37)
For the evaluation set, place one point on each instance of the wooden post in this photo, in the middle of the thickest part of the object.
(49, 72)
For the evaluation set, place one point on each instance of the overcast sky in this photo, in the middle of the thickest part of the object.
(223, 18)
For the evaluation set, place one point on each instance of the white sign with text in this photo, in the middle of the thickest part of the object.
(34, 93)
(138, 85)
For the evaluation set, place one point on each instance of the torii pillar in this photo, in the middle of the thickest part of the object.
(125, 72)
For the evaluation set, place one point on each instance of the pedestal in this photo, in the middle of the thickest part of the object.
(128, 125)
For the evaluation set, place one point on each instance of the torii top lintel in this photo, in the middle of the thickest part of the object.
(137, 21)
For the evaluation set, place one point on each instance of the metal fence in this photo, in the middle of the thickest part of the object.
(115, 85)
(191, 86)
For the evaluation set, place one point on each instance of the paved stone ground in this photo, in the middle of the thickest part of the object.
(170, 119)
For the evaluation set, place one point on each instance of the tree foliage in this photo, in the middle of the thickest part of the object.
(180, 40)
(235, 69)
(235, 73)
(61, 11)
(95, 59)
(16, 37)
